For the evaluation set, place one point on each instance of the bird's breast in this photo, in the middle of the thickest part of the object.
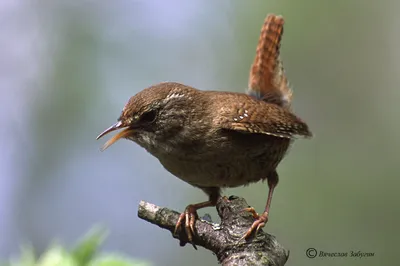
(226, 169)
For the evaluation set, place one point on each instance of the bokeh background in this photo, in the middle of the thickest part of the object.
(68, 67)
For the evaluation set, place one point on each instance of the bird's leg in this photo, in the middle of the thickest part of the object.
(190, 213)
(262, 219)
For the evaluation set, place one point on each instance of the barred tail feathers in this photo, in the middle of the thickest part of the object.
(267, 79)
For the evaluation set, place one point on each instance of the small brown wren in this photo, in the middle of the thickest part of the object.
(214, 139)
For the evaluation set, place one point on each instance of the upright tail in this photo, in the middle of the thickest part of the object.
(267, 79)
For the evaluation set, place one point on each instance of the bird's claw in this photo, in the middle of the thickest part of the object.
(259, 223)
(190, 216)
(253, 212)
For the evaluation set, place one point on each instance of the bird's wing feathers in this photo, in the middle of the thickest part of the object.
(264, 118)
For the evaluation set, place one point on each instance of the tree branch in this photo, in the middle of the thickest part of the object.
(222, 238)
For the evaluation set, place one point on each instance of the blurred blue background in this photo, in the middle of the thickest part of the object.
(68, 67)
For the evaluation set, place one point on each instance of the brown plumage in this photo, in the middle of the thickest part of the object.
(214, 139)
(267, 79)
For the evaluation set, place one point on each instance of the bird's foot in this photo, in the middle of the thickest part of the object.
(252, 211)
(260, 222)
(190, 216)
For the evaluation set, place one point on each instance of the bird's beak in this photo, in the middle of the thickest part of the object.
(124, 133)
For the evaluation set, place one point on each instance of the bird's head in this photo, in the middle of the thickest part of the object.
(150, 114)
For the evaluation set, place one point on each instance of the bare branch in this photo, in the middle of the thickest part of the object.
(222, 238)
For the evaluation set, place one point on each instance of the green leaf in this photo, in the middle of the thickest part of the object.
(27, 257)
(117, 260)
(83, 254)
(56, 256)
(86, 248)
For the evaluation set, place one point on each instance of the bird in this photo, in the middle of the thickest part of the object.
(219, 139)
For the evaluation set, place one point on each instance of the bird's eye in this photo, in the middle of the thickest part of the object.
(148, 117)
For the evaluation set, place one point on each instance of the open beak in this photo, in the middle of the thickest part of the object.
(124, 133)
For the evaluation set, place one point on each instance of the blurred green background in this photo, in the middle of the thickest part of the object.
(68, 67)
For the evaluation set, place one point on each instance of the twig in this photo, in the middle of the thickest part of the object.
(222, 238)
